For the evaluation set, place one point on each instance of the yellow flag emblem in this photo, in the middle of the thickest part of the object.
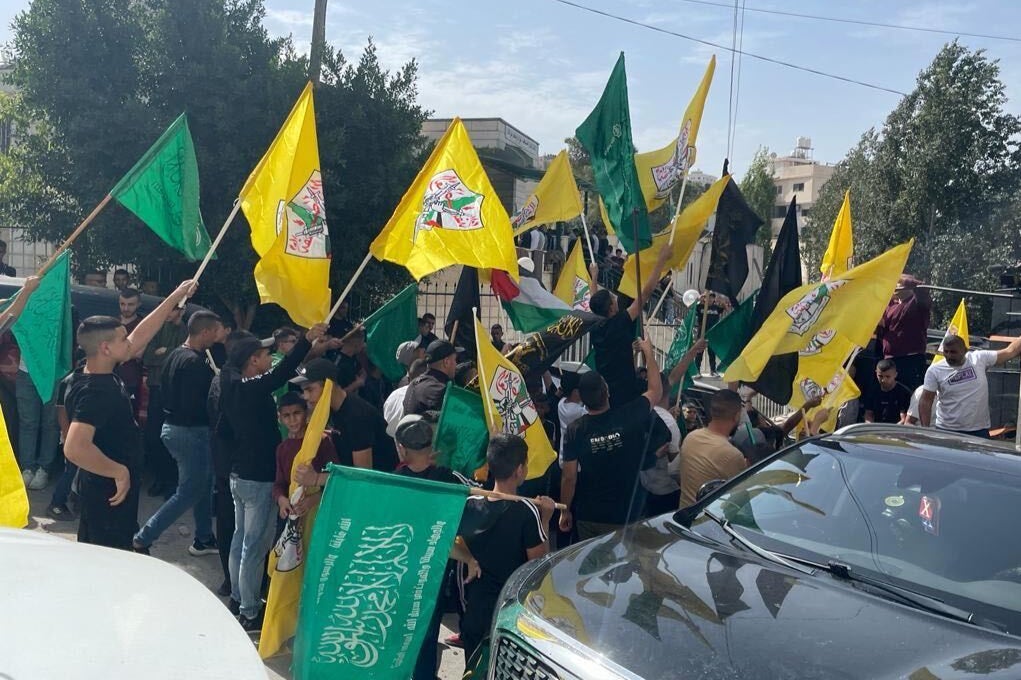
(575, 286)
(449, 215)
(555, 198)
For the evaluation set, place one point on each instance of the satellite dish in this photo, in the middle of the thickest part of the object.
(690, 297)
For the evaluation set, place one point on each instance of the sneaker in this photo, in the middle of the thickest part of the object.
(199, 548)
(60, 512)
(454, 641)
(139, 548)
(39, 480)
(234, 607)
(253, 625)
(27, 476)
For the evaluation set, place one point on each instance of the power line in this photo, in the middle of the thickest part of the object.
(737, 89)
(733, 58)
(718, 46)
(859, 22)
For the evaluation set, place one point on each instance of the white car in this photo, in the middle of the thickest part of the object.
(69, 610)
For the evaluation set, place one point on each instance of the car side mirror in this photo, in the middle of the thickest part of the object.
(708, 488)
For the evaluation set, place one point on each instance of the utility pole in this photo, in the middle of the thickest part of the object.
(315, 57)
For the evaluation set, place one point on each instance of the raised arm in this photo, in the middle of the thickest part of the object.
(10, 315)
(654, 392)
(651, 281)
(1009, 352)
(151, 324)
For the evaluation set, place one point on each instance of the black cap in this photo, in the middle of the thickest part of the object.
(243, 348)
(413, 432)
(438, 350)
(315, 371)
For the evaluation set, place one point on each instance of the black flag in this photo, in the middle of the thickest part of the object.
(736, 226)
(466, 296)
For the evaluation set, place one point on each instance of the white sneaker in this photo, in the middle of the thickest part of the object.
(27, 476)
(39, 480)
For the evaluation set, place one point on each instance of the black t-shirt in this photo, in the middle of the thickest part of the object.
(886, 407)
(609, 450)
(102, 401)
(498, 534)
(427, 340)
(358, 426)
(612, 341)
(437, 473)
(185, 380)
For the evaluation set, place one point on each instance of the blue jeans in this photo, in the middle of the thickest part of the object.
(254, 524)
(37, 426)
(189, 446)
(62, 490)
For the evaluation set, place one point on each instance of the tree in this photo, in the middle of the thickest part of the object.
(101, 80)
(760, 193)
(945, 169)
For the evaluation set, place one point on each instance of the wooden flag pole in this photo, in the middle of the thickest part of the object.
(680, 201)
(638, 272)
(705, 313)
(588, 238)
(509, 497)
(219, 237)
(212, 363)
(655, 310)
(453, 331)
(74, 235)
(348, 287)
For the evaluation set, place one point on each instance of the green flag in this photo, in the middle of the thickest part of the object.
(389, 326)
(461, 433)
(728, 337)
(375, 564)
(684, 338)
(43, 330)
(163, 191)
(606, 135)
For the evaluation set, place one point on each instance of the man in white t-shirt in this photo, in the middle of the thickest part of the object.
(570, 407)
(960, 383)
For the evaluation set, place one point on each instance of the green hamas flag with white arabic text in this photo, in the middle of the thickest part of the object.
(375, 564)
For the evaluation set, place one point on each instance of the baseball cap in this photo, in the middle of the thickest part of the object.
(406, 353)
(244, 348)
(438, 350)
(413, 432)
(314, 371)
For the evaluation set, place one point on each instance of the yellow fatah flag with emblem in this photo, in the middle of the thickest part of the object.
(13, 497)
(661, 170)
(575, 285)
(555, 199)
(959, 327)
(450, 215)
(821, 373)
(508, 406)
(283, 202)
(849, 305)
(281, 617)
(839, 254)
(690, 224)
(839, 390)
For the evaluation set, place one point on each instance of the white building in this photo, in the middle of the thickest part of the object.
(797, 175)
(699, 177)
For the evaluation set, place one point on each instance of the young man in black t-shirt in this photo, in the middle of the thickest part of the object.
(608, 445)
(612, 340)
(501, 534)
(103, 439)
(889, 403)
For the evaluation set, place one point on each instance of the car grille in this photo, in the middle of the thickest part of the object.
(515, 661)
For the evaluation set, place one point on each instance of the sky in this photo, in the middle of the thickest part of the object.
(541, 65)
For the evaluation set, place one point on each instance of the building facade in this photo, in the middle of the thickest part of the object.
(800, 175)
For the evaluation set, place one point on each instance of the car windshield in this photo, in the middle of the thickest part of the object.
(940, 526)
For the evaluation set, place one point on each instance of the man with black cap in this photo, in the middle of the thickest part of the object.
(359, 435)
(247, 383)
(425, 393)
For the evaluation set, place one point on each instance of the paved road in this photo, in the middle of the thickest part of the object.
(173, 548)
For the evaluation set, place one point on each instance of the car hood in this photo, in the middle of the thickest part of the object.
(665, 604)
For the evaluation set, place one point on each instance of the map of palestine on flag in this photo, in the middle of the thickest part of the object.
(372, 578)
(283, 202)
(555, 198)
(606, 135)
(162, 189)
(575, 285)
(450, 214)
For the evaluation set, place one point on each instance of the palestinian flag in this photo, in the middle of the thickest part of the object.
(529, 306)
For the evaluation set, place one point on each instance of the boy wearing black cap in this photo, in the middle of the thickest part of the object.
(360, 436)
(247, 383)
(415, 447)
(425, 393)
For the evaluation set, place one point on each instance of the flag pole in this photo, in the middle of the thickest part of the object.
(588, 239)
(212, 362)
(508, 497)
(680, 201)
(348, 287)
(490, 423)
(219, 237)
(74, 235)
(638, 272)
(659, 303)
(453, 331)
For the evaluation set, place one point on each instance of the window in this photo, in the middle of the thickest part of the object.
(799, 186)
(779, 189)
(805, 212)
(779, 211)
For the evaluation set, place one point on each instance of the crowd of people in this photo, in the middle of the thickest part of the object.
(227, 412)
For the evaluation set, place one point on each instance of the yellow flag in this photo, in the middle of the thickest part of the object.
(508, 406)
(281, 618)
(661, 170)
(449, 215)
(555, 198)
(840, 389)
(13, 497)
(690, 224)
(821, 372)
(840, 252)
(605, 218)
(849, 305)
(575, 286)
(958, 326)
(283, 202)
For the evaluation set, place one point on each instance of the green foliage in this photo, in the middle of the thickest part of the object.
(760, 192)
(946, 170)
(99, 81)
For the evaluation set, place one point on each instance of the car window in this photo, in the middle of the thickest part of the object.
(938, 527)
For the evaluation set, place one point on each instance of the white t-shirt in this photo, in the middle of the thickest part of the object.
(963, 392)
(916, 396)
(536, 240)
(568, 412)
(393, 409)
